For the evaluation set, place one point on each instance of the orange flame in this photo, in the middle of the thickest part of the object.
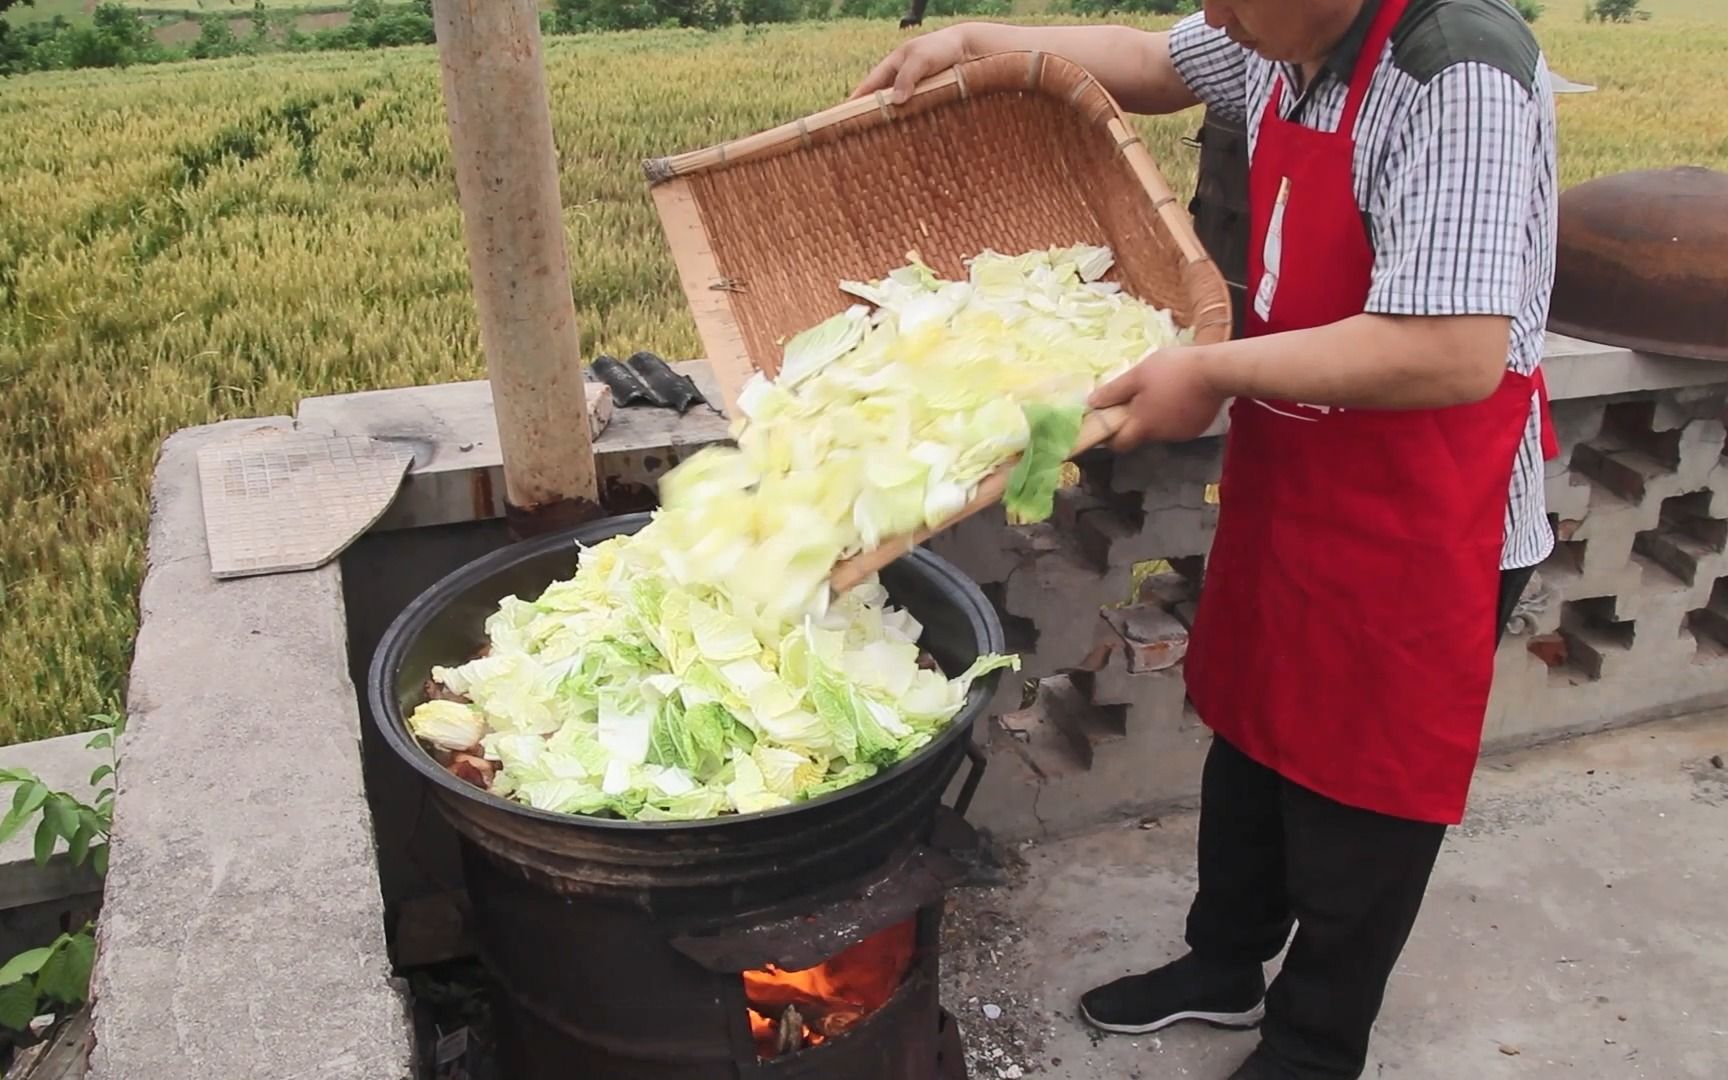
(833, 996)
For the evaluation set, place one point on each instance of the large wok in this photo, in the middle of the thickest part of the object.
(731, 862)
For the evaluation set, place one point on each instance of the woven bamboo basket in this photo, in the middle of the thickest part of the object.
(1008, 152)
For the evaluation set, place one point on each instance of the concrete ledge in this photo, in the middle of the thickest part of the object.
(64, 764)
(1583, 369)
(457, 475)
(242, 933)
(458, 470)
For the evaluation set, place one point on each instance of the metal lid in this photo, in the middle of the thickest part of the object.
(1641, 264)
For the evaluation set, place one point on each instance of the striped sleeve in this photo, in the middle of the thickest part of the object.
(1212, 65)
(1450, 223)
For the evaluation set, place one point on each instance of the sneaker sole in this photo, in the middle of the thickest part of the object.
(1249, 1019)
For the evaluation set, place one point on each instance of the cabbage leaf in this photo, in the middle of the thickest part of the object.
(702, 666)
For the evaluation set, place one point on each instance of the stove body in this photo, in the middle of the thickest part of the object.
(619, 949)
(587, 988)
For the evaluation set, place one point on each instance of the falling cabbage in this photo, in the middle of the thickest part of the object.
(701, 666)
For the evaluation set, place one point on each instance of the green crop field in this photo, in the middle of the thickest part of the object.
(184, 243)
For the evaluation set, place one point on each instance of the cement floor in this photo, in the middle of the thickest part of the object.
(1577, 927)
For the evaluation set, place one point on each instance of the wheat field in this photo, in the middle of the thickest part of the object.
(186, 243)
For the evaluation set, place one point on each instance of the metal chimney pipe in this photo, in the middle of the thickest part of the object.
(500, 122)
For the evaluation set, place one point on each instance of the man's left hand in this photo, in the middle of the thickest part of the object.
(1169, 399)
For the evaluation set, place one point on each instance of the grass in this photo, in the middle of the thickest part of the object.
(185, 243)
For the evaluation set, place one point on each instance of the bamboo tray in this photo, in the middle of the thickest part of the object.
(1008, 152)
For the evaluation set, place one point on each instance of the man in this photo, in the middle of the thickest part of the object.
(1381, 502)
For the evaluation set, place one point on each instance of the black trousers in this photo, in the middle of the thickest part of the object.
(1274, 855)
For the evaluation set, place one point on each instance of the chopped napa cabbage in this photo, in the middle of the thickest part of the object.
(822, 344)
(702, 666)
(1031, 492)
(448, 725)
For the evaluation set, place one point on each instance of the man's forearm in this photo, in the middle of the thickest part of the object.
(1134, 66)
(1366, 362)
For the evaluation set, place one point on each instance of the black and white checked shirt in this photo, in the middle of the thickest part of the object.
(1455, 175)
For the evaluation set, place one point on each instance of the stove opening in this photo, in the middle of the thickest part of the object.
(790, 1010)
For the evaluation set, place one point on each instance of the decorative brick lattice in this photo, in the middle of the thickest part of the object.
(1627, 619)
(1709, 624)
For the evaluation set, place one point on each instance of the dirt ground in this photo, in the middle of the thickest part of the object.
(1575, 928)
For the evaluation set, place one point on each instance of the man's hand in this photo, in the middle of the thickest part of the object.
(917, 60)
(1134, 66)
(1169, 398)
(1363, 362)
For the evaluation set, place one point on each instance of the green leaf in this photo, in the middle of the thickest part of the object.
(61, 812)
(10, 824)
(66, 975)
(18, 1004)
(99, 858)
(30, 797)
(79, 846)
(102, 740)
(25, 963)
(28, 800)
(46, 838)
(94, 820)
(102, 773)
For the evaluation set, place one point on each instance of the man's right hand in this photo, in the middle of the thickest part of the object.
(1134, 66)
(917, 60)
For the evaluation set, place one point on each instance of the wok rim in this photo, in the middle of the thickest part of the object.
(385, 711)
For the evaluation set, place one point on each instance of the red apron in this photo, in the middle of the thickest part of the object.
(1345, 635)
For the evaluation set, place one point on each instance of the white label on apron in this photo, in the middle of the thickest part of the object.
(1272, 254)
(1323, 410)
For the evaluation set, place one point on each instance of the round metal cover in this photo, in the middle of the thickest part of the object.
(1641, 265)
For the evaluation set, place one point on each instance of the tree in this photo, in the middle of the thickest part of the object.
(403, 26)
(125, 30)
(12, 51)
(769, 11)
(4, 4)
(116, 37)
(1615, 11)
(1137, 7)
(893, 9)
(36, 47)
(215, 39)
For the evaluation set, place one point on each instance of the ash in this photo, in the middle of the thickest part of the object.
(1005, 1026)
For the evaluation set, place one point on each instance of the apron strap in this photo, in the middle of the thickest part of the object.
(1379, 33)
(1550, 442)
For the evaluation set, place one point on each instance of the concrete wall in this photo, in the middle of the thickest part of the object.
(242, 928)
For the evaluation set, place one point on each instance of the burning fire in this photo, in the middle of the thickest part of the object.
(790, 1010)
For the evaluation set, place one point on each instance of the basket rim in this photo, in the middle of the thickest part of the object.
(928, 95)
(1050, 75)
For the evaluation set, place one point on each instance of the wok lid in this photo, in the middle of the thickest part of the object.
(1641, 262)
